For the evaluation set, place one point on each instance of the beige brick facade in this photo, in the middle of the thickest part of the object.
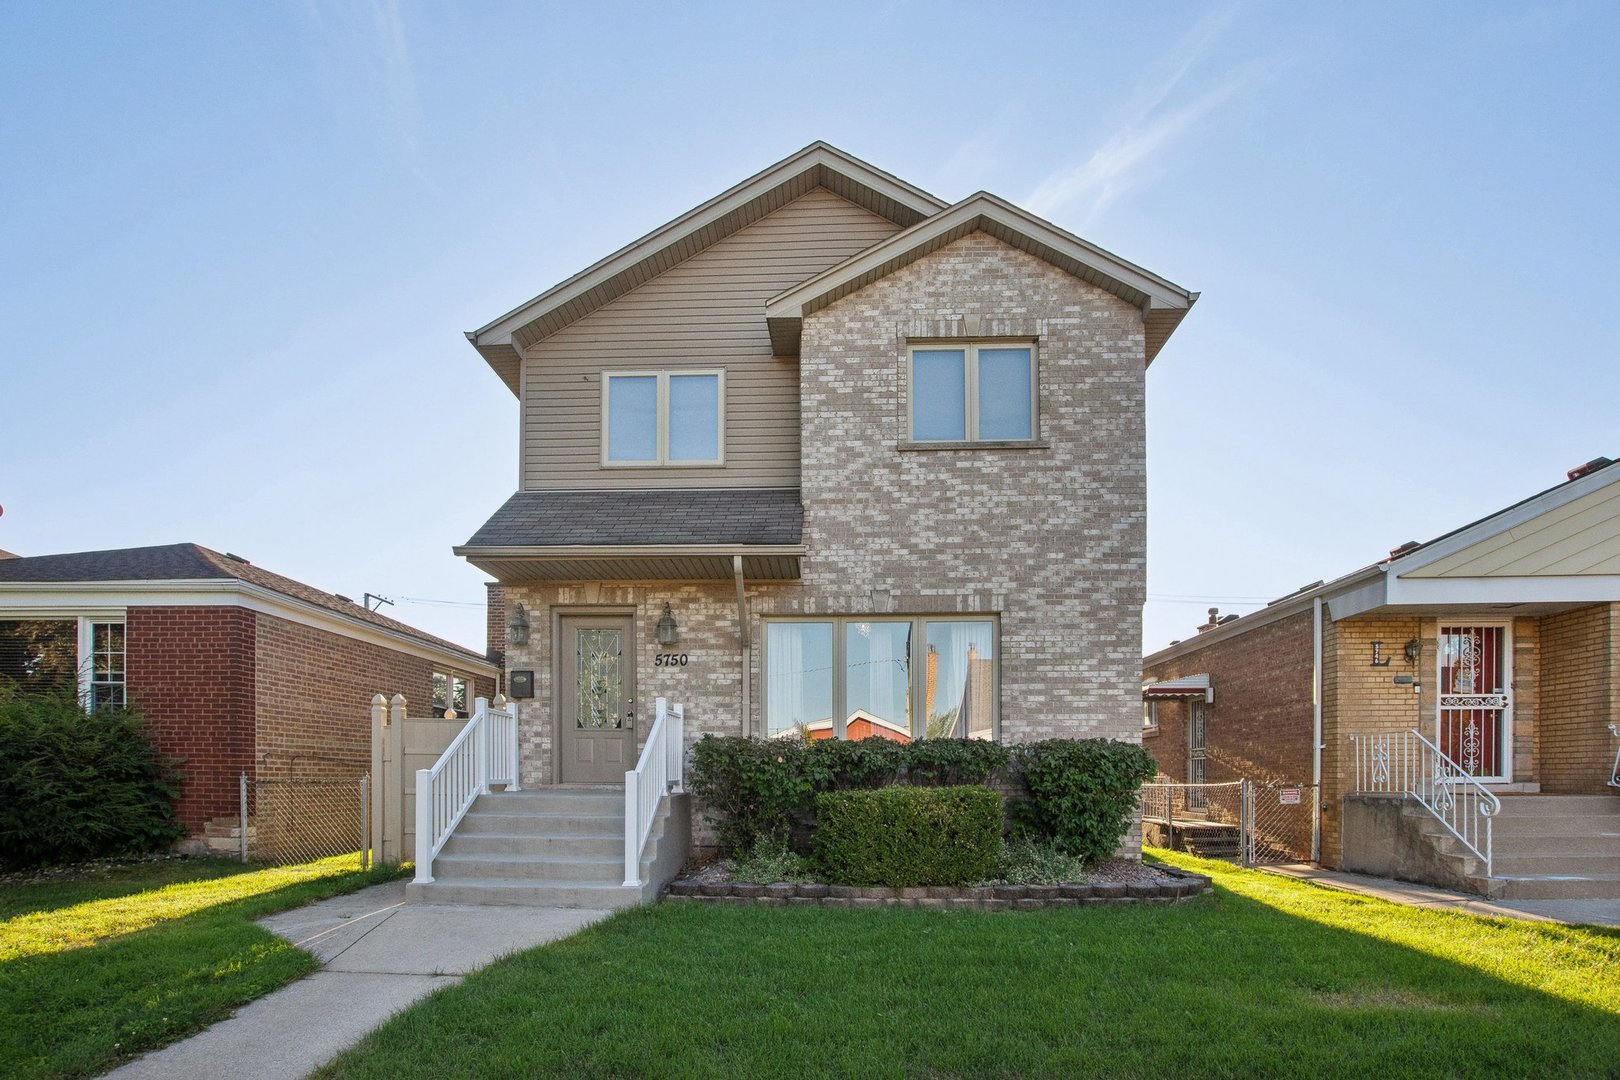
(1580, 698)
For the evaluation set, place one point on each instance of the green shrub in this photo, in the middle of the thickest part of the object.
(770, 862)
(77, 785)
(751, 788)
(842, 764)
(906, 836)
(1081, 792)
(1026, 860)
(952, 762)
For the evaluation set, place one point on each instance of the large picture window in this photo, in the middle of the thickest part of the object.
(972, 392)
(652, 418)
(893, 677)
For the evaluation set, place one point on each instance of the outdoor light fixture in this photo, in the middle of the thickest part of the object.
(1412, 651)
(517, 631)
(668, 632)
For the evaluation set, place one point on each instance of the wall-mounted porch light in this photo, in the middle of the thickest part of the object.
(1413, 650)
(517, 631)
(668, 632)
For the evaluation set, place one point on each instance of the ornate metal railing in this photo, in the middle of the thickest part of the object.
(484, 752)
(1406, 763)
(658, 772)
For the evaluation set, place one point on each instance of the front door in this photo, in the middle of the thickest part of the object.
(1195, 753)
(597, 699)
(1475, 699)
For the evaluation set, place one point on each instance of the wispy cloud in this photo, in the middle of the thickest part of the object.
(1156, 119)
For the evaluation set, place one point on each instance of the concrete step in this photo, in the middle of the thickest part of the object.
(597, 869)
(1528, 806)
(1579, 887)
(555, 800)
(568, 894)
(1554, 865)
(1589, 824)
(523, 843)
(593, 825)
(1556, 843)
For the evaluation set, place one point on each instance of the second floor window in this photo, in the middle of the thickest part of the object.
(972, 392)
(663, 418)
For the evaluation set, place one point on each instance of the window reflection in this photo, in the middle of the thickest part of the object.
(959, 686)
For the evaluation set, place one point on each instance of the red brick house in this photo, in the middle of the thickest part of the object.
(1456, 705)
(236, 669)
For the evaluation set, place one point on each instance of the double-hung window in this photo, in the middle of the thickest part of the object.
(972, 392)
(450, 695)
(652, 418)
(894, 677)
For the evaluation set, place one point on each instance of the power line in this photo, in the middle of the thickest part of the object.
(439, 603)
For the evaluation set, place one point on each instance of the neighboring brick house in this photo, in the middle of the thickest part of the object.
(1499, 642)
(235, 668)
(878, 458)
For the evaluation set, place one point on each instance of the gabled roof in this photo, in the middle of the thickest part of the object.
(818, 165)
(193, 562)
(1163, 303)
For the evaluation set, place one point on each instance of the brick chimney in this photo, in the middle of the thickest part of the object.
(1214, 620)
(495, 623)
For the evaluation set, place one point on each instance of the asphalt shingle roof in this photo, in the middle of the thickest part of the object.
(769, 516)
(193, 562)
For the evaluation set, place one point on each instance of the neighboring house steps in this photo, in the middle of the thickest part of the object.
(1544, 847)
(552, 847)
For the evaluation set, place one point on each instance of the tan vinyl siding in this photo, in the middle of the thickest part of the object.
(706, 312)
(1581, 537)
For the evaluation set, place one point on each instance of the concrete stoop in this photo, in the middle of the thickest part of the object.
(1544, 847)
(553, 847)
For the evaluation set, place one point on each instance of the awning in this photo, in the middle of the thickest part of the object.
(1188, 686)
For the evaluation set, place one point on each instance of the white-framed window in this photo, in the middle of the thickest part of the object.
(102, 670)
(1150, 715)
(667, 417)
(898, 677)
(973, 391)
(451, 695)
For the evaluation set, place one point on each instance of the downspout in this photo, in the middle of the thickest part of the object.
(1316, 729)
(744, 643)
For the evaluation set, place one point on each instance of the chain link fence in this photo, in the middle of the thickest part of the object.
(1243, 821)
(299, 820)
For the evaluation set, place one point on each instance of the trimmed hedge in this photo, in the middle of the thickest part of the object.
(756, 790)
(77, 785)
(1082, 792)
(909, 836)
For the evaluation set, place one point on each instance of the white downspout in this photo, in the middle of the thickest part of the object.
(1316, 729)
(745, 644)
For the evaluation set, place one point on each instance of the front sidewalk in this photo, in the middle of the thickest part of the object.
(1588, 912)
(379, 954)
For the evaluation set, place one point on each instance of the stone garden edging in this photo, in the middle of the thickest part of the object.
(943, 897)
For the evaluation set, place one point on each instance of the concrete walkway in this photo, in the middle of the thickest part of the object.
(1589, 912)
(379, 953)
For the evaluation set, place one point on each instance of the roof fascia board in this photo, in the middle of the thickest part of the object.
(1276, 612)
(620, 551)
(975, 211)
(500, 330)
(19, 598)
(1507, 520)
(1594, 588)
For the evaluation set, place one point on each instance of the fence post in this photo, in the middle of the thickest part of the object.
(482, 751)
(393, 810)
(1246, 815)
(424, 826)
(242, 830)
(1170, 818)
(632, 815)
(379, 788)
(365, 822)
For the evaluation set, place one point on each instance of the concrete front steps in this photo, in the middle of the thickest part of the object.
(1544, 847)
(553, 847)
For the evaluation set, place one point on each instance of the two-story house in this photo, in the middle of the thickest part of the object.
(827, 455)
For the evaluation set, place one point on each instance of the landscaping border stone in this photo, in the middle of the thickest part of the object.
(944, 898)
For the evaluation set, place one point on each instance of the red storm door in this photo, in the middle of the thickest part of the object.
(1474, 701)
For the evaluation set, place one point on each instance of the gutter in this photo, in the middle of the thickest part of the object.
(1316, 729)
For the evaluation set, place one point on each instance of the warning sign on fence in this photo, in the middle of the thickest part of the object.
(1288, 796)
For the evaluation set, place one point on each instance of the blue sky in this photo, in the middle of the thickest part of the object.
(239, 244)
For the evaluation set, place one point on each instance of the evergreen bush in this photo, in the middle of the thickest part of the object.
(909, 836)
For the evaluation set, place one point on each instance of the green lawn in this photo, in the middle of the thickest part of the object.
(1266, 977)
(130, 958)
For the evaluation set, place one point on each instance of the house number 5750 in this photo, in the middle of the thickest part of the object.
(669, 659)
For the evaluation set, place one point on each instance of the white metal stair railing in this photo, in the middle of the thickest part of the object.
(1404, 762)
(484, 752)
(658, 772)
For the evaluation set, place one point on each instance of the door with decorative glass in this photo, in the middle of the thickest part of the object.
(1475, 699)
(596, 711)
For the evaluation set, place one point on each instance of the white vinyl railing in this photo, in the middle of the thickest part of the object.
(1406, 763)
(484, 752)
(657, 773)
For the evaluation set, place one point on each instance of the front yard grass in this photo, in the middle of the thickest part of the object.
(1266, 977)
(130, 958)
